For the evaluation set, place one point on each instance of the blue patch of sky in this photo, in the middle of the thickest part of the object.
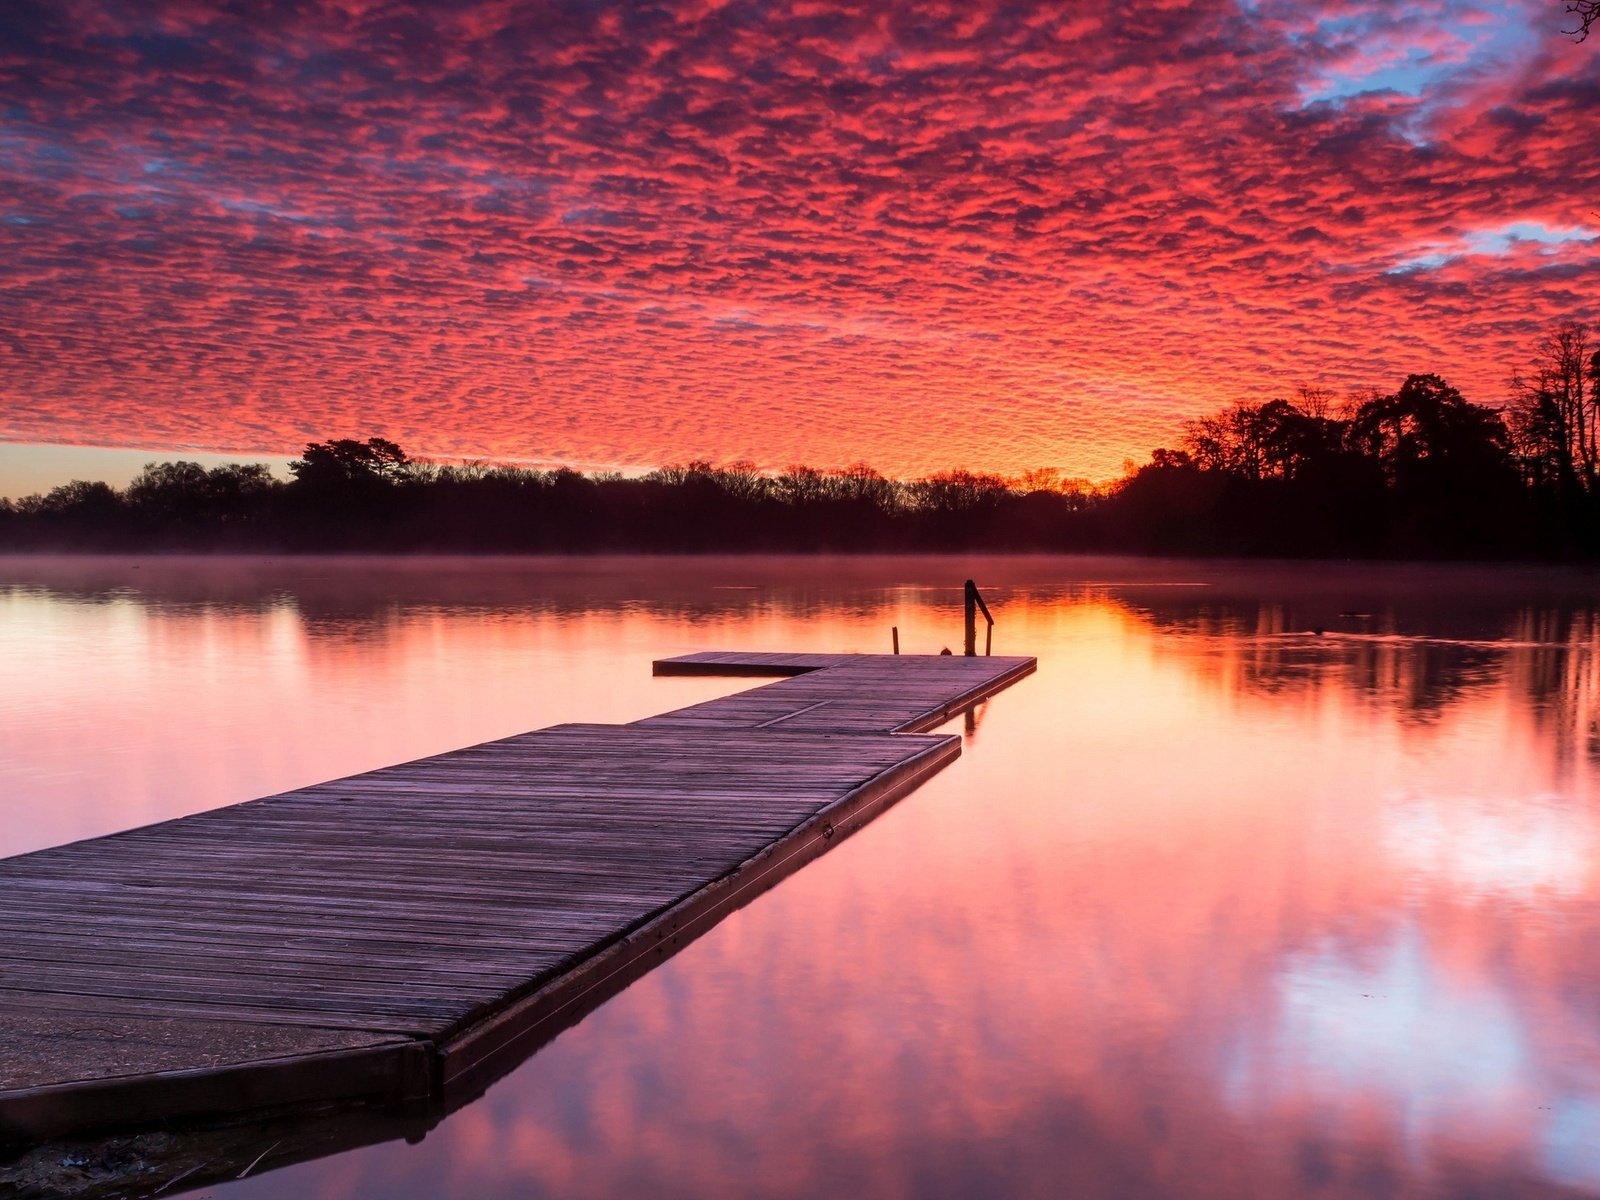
(1422, 262)
(1408, 76)
(1485, 33)
(1496, 241)
(1500, 241)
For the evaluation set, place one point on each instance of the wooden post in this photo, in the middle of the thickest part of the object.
(971, 620)
(895, 630)
(974, 602)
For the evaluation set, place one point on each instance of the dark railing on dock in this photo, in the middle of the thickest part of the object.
(974, 604)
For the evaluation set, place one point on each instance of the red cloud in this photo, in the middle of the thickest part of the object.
(989, 235)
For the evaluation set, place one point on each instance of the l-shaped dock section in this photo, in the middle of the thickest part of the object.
(408, 934)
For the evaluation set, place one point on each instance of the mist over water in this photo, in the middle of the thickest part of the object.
(1273, 880)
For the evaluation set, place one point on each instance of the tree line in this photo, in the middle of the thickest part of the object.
(368, 495)
(1417, 472)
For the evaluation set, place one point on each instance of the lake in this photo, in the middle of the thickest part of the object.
(1275, 880)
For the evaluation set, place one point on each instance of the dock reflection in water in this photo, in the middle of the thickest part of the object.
(1273, 881)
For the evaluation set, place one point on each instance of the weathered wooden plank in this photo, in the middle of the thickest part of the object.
(468, 903)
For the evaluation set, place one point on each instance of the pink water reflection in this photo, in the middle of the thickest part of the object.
(1238, 896)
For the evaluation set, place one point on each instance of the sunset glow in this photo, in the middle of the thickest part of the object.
(994, 236)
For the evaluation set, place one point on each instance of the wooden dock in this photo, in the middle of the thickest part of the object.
(408, 934)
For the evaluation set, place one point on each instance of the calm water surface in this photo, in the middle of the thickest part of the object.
(1273, 881)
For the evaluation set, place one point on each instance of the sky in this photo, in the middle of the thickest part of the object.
(971, 234)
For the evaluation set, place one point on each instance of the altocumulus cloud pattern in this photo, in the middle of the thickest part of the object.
(992, 235)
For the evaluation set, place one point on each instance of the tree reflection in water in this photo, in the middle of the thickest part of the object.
(1275, 880)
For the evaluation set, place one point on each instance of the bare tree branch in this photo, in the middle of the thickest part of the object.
(1587, 12)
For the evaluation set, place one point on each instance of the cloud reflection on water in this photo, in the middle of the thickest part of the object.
(1213, 906)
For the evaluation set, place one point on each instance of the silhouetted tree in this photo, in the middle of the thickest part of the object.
(1276, 440)
(81, 499)
(1230, 442)
(1448, 464)
(1420, 471)
(239, 491)
(1555, 413)
(183, 498)
(1168, 506)
(349, 461)
(1427, 431)
(82, 514)
(347, 494)
(742, 480)
(864, 487)
(171, 492)
(1295, 443)
(957, 491)
(1587, 12)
